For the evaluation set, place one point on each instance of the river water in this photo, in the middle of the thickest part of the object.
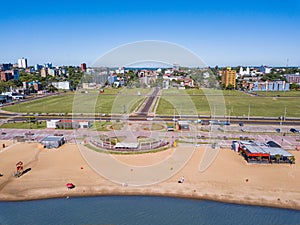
(140, 210)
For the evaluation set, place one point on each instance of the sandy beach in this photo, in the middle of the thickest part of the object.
(229, 178)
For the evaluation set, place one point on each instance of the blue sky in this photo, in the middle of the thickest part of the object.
(220, 32)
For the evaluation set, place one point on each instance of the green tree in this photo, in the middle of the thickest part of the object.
(294, 86)
(277, 157)
(51, 88)
(3, 86)
(229, 87)
(292, 159)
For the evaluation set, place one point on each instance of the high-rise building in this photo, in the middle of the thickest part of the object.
(37, 67)
(22, 63)
(229, 77)
(9, 75)
(6, 66)
(44, 72)
(83, 67)
(48, 65)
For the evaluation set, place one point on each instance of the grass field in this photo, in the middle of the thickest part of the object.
(172, 101)
(279, 93)
(100, 126)
(113, 100)
(24, 125)
(234, 103)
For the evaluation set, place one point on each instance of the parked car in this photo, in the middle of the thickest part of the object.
(198, 121)
(293, 130)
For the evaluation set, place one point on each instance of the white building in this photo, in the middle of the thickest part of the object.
(206, 75)
(52, 123)
(166, 84)
(120, 71)
(169, 71)
(243, 72)
(22, 63)
(64, 85)
(74, 124)
(265, 69)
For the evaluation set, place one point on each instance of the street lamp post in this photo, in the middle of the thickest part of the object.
(100, 114)
(214, 112)
(174, 117)
(249, 112)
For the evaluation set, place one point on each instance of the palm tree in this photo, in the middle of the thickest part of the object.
(259, 158)
(52, 89)
(277, 156)
(292, 159)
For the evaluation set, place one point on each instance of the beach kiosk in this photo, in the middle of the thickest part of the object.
(53, 141)
(270, 152)
(183, 125)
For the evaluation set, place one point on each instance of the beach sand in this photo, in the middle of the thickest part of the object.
(229, 178)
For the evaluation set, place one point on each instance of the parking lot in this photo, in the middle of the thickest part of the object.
(34, 135)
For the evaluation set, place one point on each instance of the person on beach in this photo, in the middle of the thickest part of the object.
(181, 180)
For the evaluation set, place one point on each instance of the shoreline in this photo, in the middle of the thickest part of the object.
(164, 195)
(51, 170)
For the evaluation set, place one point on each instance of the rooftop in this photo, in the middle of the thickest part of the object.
(53, 138)
(261, 148)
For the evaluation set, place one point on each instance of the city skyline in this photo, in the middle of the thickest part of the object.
(220, 32)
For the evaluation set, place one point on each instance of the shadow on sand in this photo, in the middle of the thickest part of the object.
(26, 171)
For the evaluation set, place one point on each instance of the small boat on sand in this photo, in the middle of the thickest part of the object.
(70, 185)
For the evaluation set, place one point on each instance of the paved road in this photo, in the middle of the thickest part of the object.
(149, 102)
(288, 122)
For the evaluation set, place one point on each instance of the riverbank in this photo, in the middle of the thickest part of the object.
(228, 179)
